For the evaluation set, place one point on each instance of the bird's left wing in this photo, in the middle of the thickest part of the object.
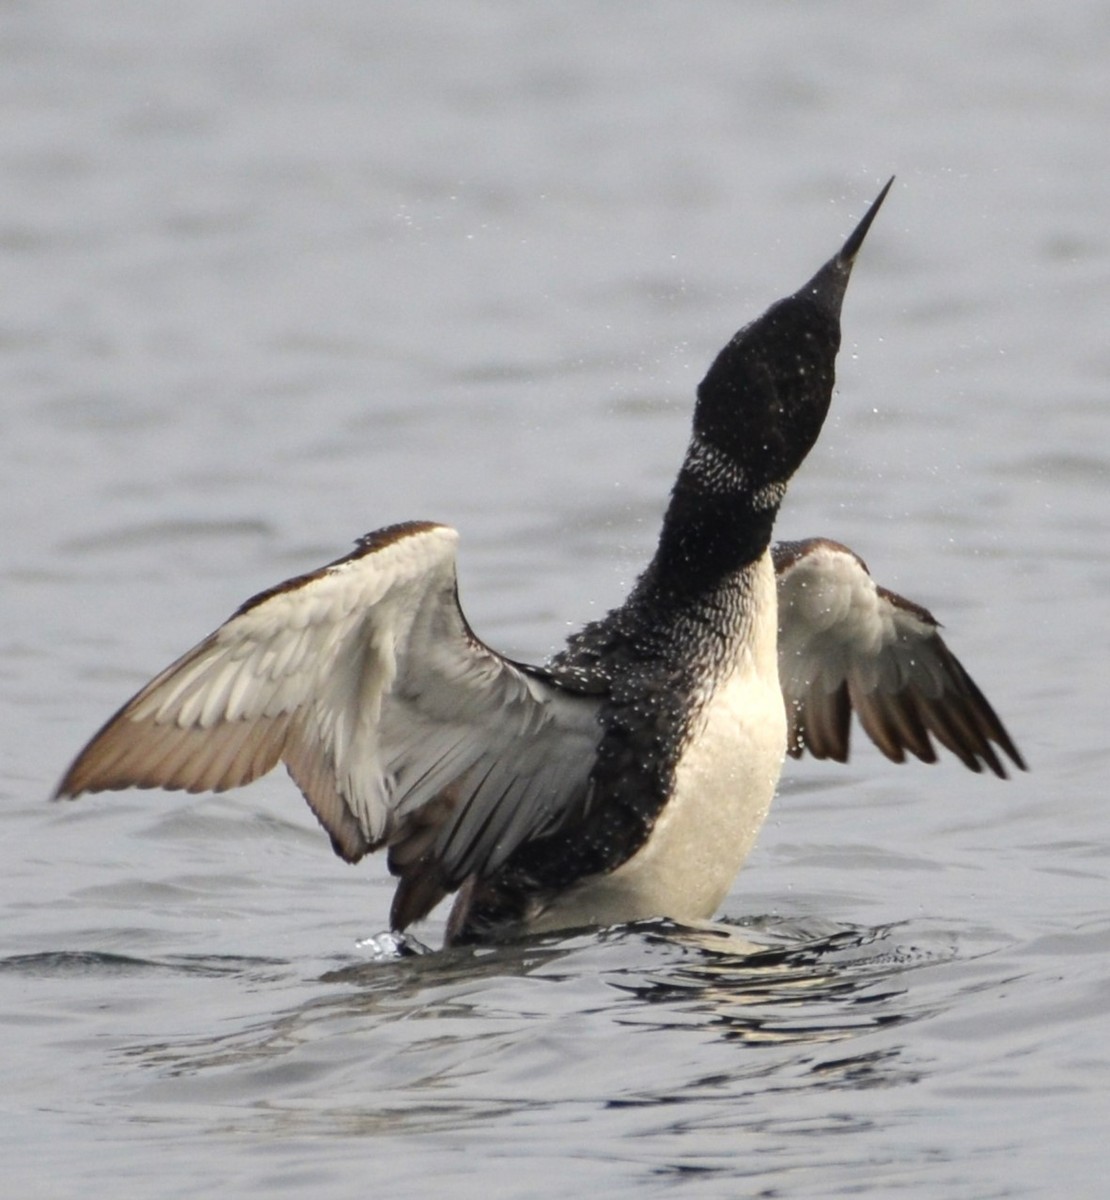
(846, 644)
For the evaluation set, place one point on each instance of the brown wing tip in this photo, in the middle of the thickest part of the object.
(962, 721)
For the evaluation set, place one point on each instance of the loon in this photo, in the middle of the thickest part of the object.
(626, 778)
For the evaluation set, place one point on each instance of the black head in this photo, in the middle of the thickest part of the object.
(764, 399)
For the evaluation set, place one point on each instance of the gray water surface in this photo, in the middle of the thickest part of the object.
(277, 274)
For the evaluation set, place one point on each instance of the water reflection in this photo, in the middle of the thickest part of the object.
(460, 1034)
(91, 964)
(793, 985)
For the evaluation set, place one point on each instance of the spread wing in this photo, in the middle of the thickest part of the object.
(399, 726)
(846, 644)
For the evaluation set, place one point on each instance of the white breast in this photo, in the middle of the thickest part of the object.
(723, 786)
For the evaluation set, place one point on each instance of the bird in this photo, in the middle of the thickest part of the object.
(627, 777)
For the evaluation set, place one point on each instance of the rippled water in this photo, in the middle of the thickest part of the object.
(279, 274)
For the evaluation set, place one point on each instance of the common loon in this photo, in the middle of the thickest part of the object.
(629, 776)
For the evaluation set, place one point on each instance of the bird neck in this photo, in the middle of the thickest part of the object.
(717, 525)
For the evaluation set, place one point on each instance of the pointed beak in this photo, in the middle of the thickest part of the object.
(828, 286)
(850, 249)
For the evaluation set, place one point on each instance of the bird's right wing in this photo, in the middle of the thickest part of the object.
(399, 726)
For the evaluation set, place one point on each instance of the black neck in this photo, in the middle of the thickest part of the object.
(709, 535)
